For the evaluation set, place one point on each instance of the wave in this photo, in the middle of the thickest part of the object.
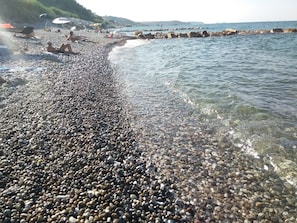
(128, 45)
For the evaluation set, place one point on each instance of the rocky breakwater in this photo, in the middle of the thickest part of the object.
(227, 32)
(67, 152)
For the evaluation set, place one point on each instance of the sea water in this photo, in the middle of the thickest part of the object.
(241, 86)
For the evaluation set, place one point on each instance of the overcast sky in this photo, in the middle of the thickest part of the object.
(207, 11)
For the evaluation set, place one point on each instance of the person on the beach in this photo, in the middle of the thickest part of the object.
(64, 48)
(75, 38)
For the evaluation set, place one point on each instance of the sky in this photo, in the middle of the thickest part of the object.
(207, 11)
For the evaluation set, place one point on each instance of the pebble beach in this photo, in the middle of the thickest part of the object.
(69, 151)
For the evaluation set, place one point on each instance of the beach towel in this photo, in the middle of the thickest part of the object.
(6, 26)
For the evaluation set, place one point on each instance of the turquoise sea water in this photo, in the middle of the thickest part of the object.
(243, 87)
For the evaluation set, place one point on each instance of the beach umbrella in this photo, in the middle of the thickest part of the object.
(44, 16)
(61, 21)
(95, 24)
(27, 30)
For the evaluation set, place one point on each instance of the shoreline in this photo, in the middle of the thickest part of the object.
(68, 153)
(219, 178)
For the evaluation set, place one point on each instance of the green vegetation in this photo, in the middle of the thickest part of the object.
(28, 11)
(117, 21)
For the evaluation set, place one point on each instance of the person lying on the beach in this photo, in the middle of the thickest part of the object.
(64, 48)
(75, 38)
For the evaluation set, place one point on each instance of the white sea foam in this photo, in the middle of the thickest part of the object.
(129, 45)
(136, 43)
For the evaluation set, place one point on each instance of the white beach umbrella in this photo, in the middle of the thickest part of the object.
(61, 20)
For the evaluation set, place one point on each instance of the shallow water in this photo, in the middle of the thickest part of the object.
(243, 87)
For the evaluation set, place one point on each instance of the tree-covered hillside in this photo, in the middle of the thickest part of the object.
(26, 11)
(118, 21)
